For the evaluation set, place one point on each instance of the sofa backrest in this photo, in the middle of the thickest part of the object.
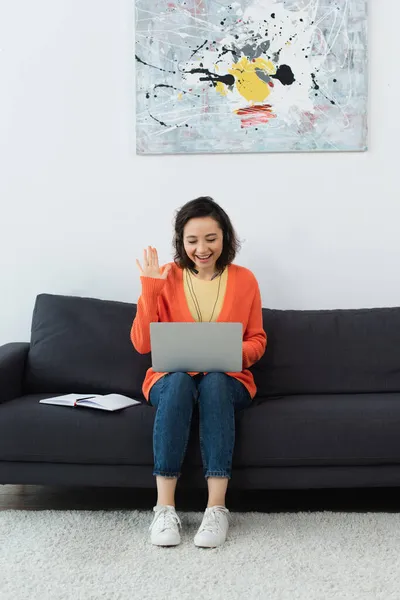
(330, 351)
(83, 345)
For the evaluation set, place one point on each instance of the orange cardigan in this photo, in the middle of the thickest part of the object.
(164, 300)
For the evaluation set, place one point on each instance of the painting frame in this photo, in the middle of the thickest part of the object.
(251, 76)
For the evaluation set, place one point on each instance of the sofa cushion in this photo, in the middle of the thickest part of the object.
(34, 432)
(320, 429)
(314, 430)
(83, 345)
(330, 351)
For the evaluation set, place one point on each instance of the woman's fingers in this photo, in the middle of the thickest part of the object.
(153, 258)
(150, 259)
(150, 255)
(155, 255)
(139, 266)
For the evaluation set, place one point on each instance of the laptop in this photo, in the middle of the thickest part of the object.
(198, 347)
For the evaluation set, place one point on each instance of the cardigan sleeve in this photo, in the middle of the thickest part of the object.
(146, 313)
(254, 338)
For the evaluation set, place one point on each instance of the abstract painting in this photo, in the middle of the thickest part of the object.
(219, 76)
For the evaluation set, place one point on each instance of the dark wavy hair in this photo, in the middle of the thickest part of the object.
(205, 207)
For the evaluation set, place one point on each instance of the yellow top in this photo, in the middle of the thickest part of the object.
(204, 297)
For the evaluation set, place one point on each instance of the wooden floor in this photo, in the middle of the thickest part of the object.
(30, 497)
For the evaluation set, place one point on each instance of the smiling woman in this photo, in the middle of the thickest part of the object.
(202, 284)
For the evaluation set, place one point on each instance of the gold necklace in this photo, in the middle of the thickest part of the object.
(195, 299)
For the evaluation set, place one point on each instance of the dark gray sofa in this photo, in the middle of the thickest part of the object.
(327, 413)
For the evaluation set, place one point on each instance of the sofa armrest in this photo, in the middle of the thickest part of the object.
(12, 366)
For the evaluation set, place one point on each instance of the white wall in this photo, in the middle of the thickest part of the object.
(78, 205)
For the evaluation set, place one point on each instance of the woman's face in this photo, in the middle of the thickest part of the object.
(203, 243)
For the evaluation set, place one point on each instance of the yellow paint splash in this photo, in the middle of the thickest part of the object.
(248, 84)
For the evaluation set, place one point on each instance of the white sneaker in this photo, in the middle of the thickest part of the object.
(165, 527)
(214, 528)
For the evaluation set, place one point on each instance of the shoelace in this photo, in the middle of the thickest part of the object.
(211, 520)
(169, 518)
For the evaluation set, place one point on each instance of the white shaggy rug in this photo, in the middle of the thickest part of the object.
(84, 555)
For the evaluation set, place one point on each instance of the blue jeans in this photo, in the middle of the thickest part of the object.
(218, 396)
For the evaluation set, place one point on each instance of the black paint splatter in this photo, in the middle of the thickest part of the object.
(165, 124)
(214, 77)
(197, 49)
(317, 87)
(158, 121)
(174, 88)
(165, 85)
(154, 67)
(225, 50)
(315, 84)
(285, 75)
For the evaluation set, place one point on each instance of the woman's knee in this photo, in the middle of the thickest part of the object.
(215, 385)
(178, 389)
(224, 387)
(216, 377)
(215, 381)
